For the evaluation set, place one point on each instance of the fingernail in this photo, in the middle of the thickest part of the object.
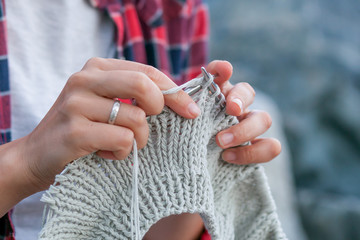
(229, 156)
(238, 102)
(194, 109)
(226, 138)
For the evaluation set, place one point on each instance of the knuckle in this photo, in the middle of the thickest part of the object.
(242, 134)
(137, 116)
(276, 149)
(126, 143)
(239, 85)
(158, 109)
(141, 83)
(247, 155)
(78, 79)
(150, 70)
(158, 102)
(94, 62)
(179, 97)
(121, 155)
(249, 88)
(266, 118)
(71, 105)
(273, 153)
(147, 91)
(153, 73)
(145, 135)
(127, 138)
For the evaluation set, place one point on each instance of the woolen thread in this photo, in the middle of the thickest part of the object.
(180, 171)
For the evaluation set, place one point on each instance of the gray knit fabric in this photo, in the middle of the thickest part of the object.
(180, 171)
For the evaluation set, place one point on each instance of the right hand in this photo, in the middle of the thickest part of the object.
(76, 125)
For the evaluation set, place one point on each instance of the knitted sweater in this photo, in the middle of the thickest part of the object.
(180, 170)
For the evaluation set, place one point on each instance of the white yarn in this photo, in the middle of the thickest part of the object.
(192, 83)
(181, 171)
(135, 225)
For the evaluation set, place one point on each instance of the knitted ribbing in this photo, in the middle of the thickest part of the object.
(180, 170)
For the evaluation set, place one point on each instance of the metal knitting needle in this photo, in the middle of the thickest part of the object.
(192, 90)
(220, 99)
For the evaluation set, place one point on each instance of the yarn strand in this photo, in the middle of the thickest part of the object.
(135, 226)
(192, 83)
(135, 210)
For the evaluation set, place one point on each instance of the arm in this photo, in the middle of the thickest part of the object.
(15, 181)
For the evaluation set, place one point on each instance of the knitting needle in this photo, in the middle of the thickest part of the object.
(220, 98)
(212, 88)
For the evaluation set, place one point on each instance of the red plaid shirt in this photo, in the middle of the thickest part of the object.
(170, 35)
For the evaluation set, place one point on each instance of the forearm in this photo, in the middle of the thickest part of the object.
(15, 183)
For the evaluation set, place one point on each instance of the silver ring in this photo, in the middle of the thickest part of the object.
(245, 144)
(114, 111)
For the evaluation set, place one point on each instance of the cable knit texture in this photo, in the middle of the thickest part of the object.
(180, 171)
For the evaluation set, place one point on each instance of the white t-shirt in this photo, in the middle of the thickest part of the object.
(48, 41)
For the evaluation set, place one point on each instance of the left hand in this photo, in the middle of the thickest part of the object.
(251, 123)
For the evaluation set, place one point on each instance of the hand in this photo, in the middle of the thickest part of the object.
(251, 123)
(76, 125)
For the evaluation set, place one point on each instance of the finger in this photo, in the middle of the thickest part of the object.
(132, 117)
(94, 136)
(180, 102)
(261, 150)
(116, 84)
(106, 154)
(223, 71)
(254, 124)
(240, 97)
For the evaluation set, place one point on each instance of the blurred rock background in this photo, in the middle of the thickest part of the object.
(306, 56)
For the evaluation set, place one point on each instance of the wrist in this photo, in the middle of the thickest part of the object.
(16, 181)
